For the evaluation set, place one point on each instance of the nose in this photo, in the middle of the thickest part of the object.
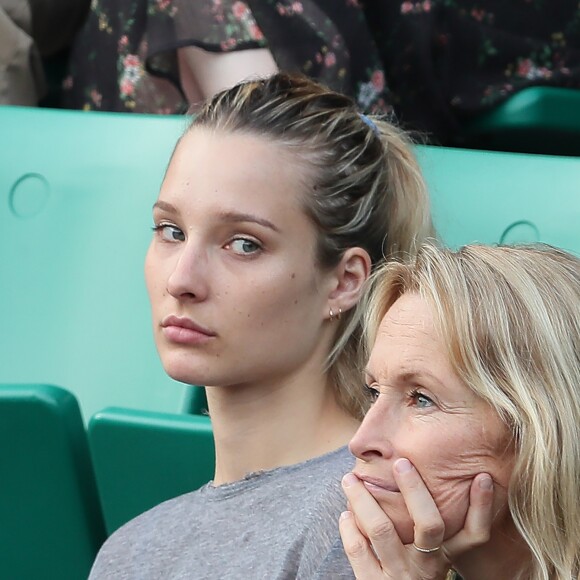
(371, 441)
(189, 277)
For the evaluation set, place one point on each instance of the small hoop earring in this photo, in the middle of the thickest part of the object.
(339, 313)
(331, 314)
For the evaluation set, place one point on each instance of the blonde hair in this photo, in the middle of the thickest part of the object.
(363, 186)
(510, 317)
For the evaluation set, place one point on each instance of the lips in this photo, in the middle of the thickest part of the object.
(375, 484)
(182, 330)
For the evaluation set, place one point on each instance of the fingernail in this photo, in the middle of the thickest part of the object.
(485, 483)
(403, 465)
(349, 479)
(345, 516)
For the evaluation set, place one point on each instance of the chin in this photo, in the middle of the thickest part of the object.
(184, 369)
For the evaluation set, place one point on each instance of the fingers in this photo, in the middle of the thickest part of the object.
(372, 522)
(429, 527)
(362, 559)
(477, 527)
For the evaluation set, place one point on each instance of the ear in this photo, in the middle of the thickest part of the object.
(348, 281)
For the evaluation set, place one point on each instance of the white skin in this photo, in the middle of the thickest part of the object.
(235, 253)
(203, 73)
(433, 464)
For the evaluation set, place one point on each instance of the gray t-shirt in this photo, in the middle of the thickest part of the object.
(272, 525)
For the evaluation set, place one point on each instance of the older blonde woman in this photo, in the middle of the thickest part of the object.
(469, 458)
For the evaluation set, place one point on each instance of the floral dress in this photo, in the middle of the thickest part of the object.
(447, 61)
(125, 58)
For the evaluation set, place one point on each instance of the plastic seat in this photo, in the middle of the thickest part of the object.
(534, 120)
(51, 525)
(491, 197)
(76, 191)
(143, 458)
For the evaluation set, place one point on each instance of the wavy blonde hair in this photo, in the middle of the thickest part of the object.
(363, 186)
(510, 318)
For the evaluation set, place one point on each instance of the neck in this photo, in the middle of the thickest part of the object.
(260, 427)
(505, 557)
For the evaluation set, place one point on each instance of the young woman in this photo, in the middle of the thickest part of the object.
(470, 456)
(276, 204)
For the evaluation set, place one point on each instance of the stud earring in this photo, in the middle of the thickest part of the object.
(334, 316)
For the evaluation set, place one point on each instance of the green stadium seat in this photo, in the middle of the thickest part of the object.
(491, 197)
(143, 458)
(51, 524)
(534, 120)
(76, 190)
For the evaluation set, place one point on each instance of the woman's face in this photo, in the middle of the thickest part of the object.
(231, 271)
(425, 413)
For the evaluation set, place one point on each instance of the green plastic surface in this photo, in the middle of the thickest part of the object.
(490, 197)
(534, 120)
(143, 458)
(76, 191)
(50, 520)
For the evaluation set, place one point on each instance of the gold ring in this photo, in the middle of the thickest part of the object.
(425, 550)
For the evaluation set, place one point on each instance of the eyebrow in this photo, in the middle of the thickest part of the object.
(409, 376)
(163, 205)
(226, 216)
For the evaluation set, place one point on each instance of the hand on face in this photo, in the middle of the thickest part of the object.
(373, 546)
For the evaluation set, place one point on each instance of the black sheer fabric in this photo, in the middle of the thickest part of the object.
(125, 59)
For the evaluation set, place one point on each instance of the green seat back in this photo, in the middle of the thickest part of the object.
(76, 191)
(50, 520)
(143, 458)
(490, 197)
(534, 120)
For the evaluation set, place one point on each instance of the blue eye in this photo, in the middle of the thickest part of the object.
(244, 246)
(420, 400)
(169, 233)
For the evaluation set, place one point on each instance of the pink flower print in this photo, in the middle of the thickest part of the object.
(378, 80)
(427, 5)
(354, 3)
(123, 42)
(163, 4)
(239, 10)
(297, 7)
(318, 57)
(329, 59)
(255, 32)
(131, 61)
(227, 44)
(524, 67)
(281, 9)
(127, 88)
(478, 14)
(406, 7)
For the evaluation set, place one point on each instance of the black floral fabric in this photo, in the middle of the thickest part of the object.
(446, 61)
(436, 63)
(125, 58)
